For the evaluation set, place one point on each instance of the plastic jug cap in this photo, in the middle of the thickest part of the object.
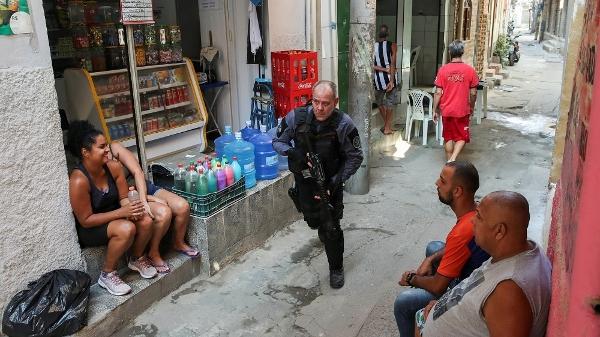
(234, 157)
(263, 128)
(248, 123)
(228, 128)
(238, 135)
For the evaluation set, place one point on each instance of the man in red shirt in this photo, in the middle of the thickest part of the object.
(445, 263)
(456, 84)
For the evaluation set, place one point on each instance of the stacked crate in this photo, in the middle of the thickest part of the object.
(294, 74)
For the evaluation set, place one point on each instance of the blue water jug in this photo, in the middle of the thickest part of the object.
(265, 158)
(249, 132)
(244, 151)
(223, 140)
(282, 160)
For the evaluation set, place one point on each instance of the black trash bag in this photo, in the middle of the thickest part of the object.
(54, 305)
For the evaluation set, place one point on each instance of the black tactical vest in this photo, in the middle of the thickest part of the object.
(322, 136)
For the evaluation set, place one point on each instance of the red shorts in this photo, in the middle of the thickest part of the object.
(456, 128)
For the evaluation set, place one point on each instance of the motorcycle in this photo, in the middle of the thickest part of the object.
(513, 51)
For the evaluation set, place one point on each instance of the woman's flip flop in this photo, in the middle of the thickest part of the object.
(192, 253)
(161, 268)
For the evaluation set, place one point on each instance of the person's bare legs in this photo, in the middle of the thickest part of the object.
(143, 234)
(120, 237)
(449, 148)
(387, 121)
(457, 148)
(162, 221)
(181, 214)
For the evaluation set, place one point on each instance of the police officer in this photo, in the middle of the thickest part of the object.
(322, 129)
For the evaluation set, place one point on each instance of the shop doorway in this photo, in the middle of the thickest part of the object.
(89, 59)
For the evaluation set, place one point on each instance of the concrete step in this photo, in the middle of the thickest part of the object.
(504, 73)
(552, 46)
(496, 66)
(490, 72)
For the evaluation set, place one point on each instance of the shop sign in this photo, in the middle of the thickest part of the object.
(135, 12)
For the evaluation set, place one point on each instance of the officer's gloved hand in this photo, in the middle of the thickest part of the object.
(334, 183)
(296, 156)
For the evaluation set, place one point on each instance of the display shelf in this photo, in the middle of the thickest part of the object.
(115, 94)
(172, 85)
(86, 104)
(158, 66)
(118, 118)
(151, 111)
(178, 105)
(165, 133)
(141, 91)
(108, 72)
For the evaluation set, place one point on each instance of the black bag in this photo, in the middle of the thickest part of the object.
(54, 305)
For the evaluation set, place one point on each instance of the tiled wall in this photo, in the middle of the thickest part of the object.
(425, 34)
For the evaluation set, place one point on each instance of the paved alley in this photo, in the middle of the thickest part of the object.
(282, 288)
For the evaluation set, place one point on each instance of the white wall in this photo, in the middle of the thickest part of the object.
(38, 231)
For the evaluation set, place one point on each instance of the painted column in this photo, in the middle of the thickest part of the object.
(362, 40)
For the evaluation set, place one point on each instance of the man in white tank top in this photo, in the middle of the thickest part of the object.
(509, 295)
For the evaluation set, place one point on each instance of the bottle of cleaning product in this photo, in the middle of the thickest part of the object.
(179, 178)
(223, 140)
(249, 132)
(191, 180)
(237, 169)
(211, 179)
(214, 160)
(221, 178)
(202, 182)
(244, 151)
(206, 162)
(265, 158)
(229, 175)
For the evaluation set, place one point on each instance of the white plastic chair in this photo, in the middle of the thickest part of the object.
(414, 59)
(417, 112)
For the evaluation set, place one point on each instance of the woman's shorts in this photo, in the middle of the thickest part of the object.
(456, 128)
(92, 237)
(151, 188)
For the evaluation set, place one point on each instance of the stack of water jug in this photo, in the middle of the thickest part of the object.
(248, 153)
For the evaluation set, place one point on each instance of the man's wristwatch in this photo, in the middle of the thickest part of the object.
(409, 278)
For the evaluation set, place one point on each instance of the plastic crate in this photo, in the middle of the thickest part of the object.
(207, 205)
(294, 70)
(286, 101)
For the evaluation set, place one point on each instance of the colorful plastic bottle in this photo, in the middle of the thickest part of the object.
(224, 161)
(244, 151)
(211, 179)
(223, 141)
(229, 175)
(221, 178)
(237, 169)
(249, 132)
(179, 178)
(206, 162)
(202, 182)
(214, 160)
(191, 180)
(265, 158)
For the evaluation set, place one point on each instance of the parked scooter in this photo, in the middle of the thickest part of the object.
(513, 50)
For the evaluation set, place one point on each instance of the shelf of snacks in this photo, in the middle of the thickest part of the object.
(172, 107)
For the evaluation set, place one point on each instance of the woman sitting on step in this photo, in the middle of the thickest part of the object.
(160, 204)
(103, 214)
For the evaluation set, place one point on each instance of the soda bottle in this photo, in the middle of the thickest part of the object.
(202, 182)
(211, 179)
(237, 169)
(133, 195)
(221, 178)
(229, 175)
(179, 178)
(191, 180)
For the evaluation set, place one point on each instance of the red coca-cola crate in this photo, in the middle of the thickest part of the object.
(285, 101)
(294, 69)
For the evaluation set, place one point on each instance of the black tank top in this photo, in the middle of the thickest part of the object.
(102, 202)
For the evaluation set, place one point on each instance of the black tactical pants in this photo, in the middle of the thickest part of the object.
(334, 241)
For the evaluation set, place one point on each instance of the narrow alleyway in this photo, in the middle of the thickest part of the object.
(282, 288)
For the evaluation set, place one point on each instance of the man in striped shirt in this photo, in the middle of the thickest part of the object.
(384, 77)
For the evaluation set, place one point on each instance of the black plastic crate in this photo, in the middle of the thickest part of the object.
(207, 205)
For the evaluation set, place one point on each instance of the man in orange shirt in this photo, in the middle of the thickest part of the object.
(448, 263)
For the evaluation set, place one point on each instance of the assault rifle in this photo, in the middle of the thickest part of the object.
(315, 167)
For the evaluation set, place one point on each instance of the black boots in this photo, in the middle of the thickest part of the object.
(336, 278)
